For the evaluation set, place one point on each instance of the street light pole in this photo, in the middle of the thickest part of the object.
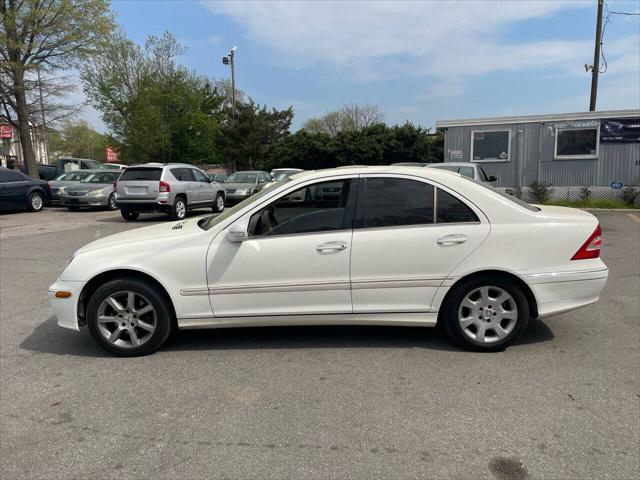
(230, 60)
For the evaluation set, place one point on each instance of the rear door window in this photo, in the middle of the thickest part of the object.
(137, 174)
(467, 172)
(451, 210)
(12, 177)
(394, 202)
(183, 174)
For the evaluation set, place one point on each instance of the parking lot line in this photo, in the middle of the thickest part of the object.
(633, 217)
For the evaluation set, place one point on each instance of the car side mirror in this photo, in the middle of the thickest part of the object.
(239, 232)
(492, 178)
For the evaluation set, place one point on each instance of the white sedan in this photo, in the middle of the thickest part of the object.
(410, 246)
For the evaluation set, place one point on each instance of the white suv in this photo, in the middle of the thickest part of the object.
(173, 188)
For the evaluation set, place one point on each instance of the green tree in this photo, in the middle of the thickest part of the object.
(156, 109)
(46, 35)
(247, 140)
(77, 139)
(349, 118)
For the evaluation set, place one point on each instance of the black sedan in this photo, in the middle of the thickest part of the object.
(19, 191)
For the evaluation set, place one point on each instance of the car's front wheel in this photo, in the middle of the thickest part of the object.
(35, 202)
(129, 318)
(485, 314)
(218, 204)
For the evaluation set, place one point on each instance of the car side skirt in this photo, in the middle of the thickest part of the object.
(417, 319)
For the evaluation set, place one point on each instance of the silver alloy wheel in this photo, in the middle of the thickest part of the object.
(487, 314)
(181, 209)
(36, 201)
(112, 202)
(220, 203)
(126, 319)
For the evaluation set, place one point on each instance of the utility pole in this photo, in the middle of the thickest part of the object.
(595, 68)
(44, 123)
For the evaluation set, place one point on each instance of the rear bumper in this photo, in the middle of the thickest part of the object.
(559, 292)
(145, 205)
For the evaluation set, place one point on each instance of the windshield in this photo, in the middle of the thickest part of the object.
(101, 178)
(212, 220)
(283, 176)
(71, 176)
(242, 177)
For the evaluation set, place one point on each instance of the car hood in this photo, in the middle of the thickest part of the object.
(239, 185)
(87, 187)
(145, 236)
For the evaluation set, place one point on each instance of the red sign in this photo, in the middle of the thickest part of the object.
(112, 155)
(6, 131)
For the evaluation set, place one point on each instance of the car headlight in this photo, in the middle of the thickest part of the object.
(242, 191)
(96, 193)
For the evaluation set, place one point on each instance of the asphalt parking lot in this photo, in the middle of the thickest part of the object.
(312, 402)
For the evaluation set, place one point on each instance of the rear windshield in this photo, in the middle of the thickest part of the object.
(515, 200)
(141, 174)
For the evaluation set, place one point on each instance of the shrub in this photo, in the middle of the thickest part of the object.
(585, 193)
(629, 195)
(541, 191)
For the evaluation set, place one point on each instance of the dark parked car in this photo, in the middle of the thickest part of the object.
(45, 172)
(19, 191)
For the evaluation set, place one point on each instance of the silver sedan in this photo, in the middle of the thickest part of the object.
(96, 190)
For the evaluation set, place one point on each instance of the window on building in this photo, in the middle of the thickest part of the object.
(490, 146)
(576, 142)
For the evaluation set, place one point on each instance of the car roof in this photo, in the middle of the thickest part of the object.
(161, 165)
(429, 173)
(250, 171)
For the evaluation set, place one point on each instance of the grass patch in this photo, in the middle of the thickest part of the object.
(591, 203)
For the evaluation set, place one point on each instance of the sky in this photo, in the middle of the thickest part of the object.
(418, 61)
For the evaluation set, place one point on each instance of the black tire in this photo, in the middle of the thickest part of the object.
(112, 203)
(218, 206)
(35, 202)
(73, 209)
(129, 215)
(179, 212)
(451, 308)
(164, 316)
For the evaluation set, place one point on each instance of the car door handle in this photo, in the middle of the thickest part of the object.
(331, 247)
(452, 240)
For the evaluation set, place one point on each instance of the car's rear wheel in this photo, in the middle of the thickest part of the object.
(129, 215)
(179, 209)
(112, 203)
(35, 202)
(129, 318)
(218, 204)
(485, 314)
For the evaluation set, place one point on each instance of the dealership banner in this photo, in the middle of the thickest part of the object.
(620, 130)
(111, 154)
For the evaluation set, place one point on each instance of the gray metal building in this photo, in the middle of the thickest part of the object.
(595, 149)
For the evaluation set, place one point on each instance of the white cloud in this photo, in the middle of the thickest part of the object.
(374, 39)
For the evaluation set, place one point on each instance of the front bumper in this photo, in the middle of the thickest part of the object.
(66, 309)
(84, 201)
(235, 197)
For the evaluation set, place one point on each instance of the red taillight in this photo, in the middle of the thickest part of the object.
(164, 187)
(590, 248)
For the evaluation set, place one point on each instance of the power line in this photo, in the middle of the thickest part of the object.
(609, 14)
